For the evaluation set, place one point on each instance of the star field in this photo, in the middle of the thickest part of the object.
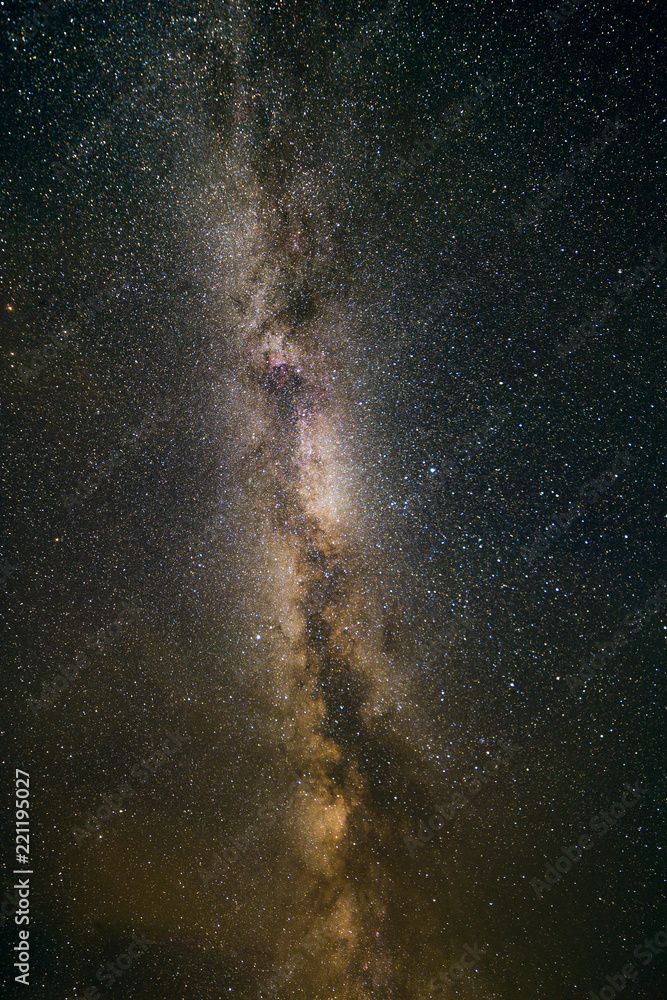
(333, 555)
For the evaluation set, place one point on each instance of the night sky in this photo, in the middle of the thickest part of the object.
(332, 570)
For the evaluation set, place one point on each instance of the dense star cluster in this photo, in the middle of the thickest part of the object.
(333, 556)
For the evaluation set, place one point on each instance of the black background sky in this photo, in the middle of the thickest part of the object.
(166, 120)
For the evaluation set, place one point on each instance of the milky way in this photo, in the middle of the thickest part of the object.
(313, 501)
(287, 391)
